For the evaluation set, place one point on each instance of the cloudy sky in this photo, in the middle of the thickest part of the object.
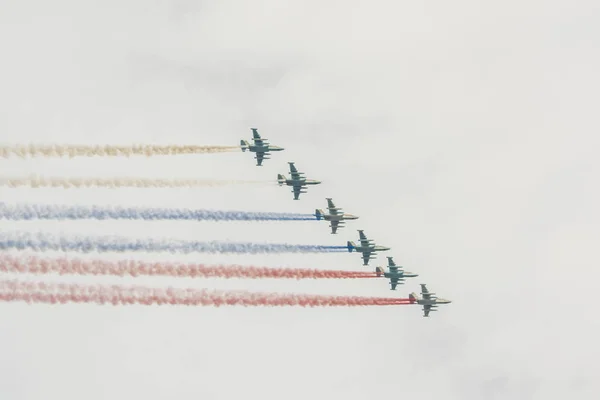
(463, 134)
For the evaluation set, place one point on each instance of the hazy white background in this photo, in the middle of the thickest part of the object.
(464, 134)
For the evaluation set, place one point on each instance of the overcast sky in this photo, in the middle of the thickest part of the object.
(463, 133)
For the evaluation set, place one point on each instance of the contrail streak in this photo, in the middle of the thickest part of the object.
(102, 151)
(68, 183)
(60, 293)
(40, 241)
(40, 211)
(66, 266)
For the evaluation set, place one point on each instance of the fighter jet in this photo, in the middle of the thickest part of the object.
(334, 217)
(396, 274)
(367, 248)
(429, 301)
(298, 181)
(261, 147)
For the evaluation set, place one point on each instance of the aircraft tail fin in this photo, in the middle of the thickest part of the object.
(351, 246)
(413, 297)
(280, 179)
(379, 271)
(319, 214)
(244, 145)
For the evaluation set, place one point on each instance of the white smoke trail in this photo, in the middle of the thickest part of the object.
(67, 183)
(101, 151)
(43, 211)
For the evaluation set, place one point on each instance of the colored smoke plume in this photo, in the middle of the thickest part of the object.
(65, 266)
(60, 293)
(41, 242)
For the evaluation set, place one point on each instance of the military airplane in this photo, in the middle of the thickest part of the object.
(261, 147)
(429, 301)
(298, 181)
(334, 217)
(396, 274)
(367, 248)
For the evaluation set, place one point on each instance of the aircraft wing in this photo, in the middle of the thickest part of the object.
(334, 226)
(256, 137)
(426, 309)
(362, 235)
(364, 242)
(367, 255)
(391, 262)
(394, 283)
(425, 292)
(260, 156)
(294, 172)
(297, 190)
(333, 210)
(393, 269)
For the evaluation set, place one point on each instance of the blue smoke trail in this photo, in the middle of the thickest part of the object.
(37, 211)
(40, 242)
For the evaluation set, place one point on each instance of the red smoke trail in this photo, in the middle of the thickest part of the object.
(36, 265)
(53, 293)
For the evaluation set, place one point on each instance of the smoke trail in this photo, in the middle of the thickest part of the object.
(37, 211)
(101, 151)
(69, 183)
(42, 292)
(40, 241)
(65, 266)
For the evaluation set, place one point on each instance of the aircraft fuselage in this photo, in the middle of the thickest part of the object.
(400, 276)
(301, 182)
(373, 249)
(433, 302)
(254, 148)
(338, 217)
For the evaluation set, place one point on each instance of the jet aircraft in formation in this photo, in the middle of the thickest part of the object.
(298, 182)
(367, 248)
(335, 216)
(261, 147)
(395, 273)
(429, 301)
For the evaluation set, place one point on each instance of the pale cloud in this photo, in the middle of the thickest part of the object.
(462, 133)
